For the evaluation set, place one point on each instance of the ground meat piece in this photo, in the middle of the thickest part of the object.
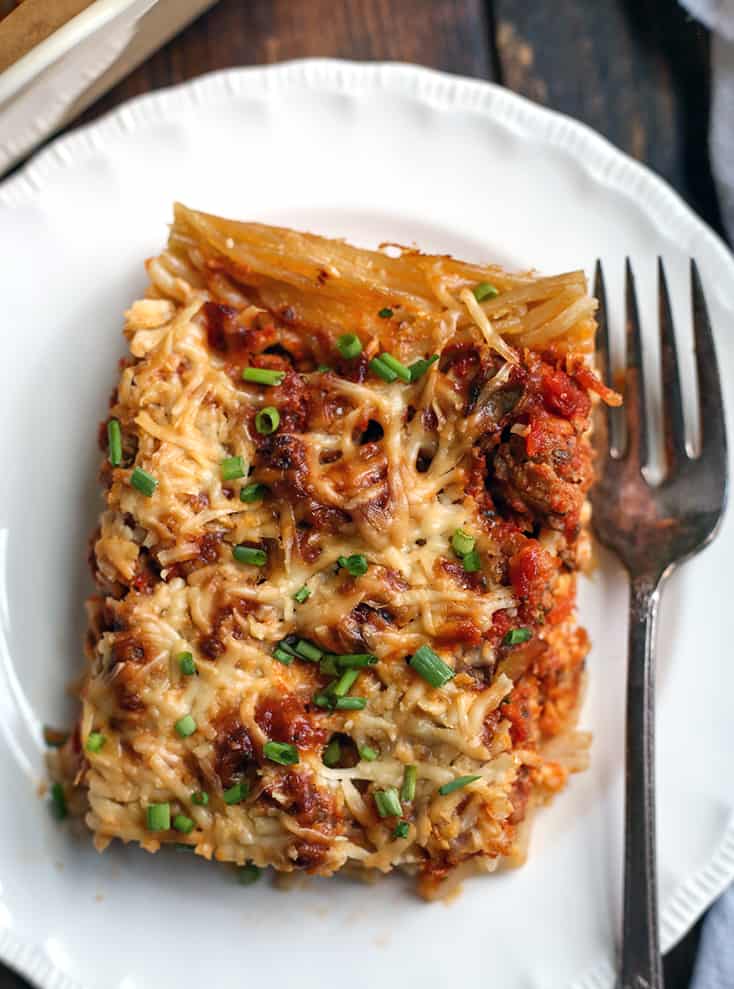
(300, 797)
(534, 490)
(521, 790)
(128, 648)
(290, 397)
(361, 626)
(234, 751)
(470, 581)
(226, 335)
(309, 855)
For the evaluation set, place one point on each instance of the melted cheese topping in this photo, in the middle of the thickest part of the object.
(357, 466)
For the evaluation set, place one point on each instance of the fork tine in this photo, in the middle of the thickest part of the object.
(602, 347)
(673, 423)
(636, 449)
(603, 437)
(710, 402)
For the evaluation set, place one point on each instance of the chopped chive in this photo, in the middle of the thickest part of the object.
(456, 784)
(367, 753)
(323, 700)
(400, 830)
(235, 794)
(328, 666)
(419, 367)
(356, 660)
(248, 874)
(95, 741)
(253, 492)
(307, 650)
(332, 753)
(144, 482)
(395, 365)
(407, 790)
(350, 703)
(344, 684)
(385, 313)
(185, 726)
(58, 802)
(302, 594)
(200, 798)
(356, 564)
(232, 468)
(431, 667)
(54, 738)
(484, 290)
(388, 802)
(249, 554)
(281, 752)
(322, 368)
(462, 543)
(472, 561)
(183, 824)
(186, 664)
(158, 817)
(517, 635)
(267, 420)
(114, 443)
(262, 376)
(380, 368)
(287, 645)
(282, 656)
(349, 345)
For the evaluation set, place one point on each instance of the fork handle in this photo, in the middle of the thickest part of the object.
(641, 962)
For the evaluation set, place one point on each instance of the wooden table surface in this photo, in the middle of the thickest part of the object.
(635, 70)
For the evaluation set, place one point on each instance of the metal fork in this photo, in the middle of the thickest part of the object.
(652, 529)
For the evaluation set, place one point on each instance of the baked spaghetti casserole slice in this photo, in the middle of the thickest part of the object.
(336, 567)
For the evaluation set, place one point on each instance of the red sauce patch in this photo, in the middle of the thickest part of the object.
(209, 547)
(461, 632)
(284, 719)
(460, 358)
(530, 573)
(522, 711)
(352, 370)
(561, 396)
(561, 610)
(588, 380)
(501, 625)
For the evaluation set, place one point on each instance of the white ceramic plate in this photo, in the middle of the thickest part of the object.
(376, 153)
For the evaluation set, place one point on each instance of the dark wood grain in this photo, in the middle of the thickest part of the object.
(635, 70)
(446, 34)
